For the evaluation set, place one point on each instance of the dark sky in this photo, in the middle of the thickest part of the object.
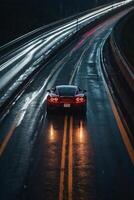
(35, 8)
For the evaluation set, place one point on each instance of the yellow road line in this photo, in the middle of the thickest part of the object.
(123, 132)
(63, 156)
(70, 161)
(122, 129)
(9, 134)
(7, 138)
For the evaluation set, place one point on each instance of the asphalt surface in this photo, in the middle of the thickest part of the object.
(66, 156)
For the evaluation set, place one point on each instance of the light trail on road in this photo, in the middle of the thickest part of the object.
(66, 156)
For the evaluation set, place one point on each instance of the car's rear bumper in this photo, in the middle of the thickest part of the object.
(62, 107)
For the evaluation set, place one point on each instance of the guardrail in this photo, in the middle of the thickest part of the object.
(124, 66)
(119, 75)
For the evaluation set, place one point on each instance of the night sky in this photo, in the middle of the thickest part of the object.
(21, 16)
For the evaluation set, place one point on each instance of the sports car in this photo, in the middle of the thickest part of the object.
(66, 97)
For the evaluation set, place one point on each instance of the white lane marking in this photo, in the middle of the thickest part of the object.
(77, 66)
(90, 59)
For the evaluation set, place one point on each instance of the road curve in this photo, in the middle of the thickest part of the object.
(62, 156)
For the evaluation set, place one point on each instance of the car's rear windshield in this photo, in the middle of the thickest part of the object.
(67, 91)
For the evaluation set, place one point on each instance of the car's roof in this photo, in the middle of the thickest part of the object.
(66, 86)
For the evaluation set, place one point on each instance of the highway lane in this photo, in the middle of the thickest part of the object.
(18, 64)
(64, 156)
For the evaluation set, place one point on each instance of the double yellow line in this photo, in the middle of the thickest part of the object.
(70, 160)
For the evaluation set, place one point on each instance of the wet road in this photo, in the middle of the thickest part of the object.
(66, 156)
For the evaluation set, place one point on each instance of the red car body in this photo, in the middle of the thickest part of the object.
(66, 97)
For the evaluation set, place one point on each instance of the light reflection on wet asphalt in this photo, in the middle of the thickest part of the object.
(45, 178)
(83, 168)
(101, 169)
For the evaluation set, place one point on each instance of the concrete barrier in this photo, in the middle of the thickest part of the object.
(119, 75)
(122, 62)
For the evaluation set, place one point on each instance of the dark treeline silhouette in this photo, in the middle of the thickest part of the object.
(21, 16)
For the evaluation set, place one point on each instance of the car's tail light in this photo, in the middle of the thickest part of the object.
(53, 99)
(80, 99)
